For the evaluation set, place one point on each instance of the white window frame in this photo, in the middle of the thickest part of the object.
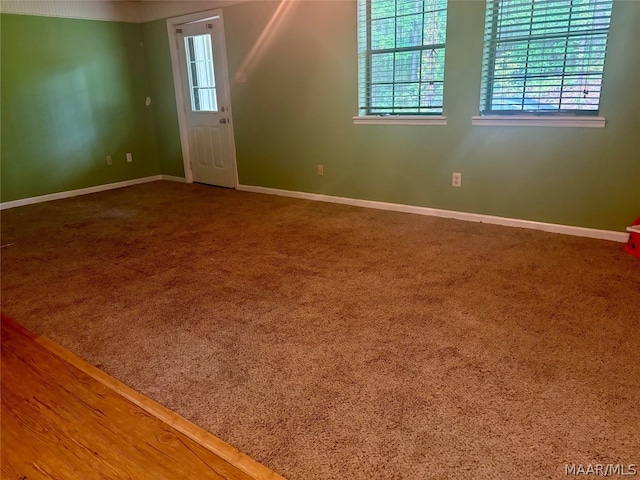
(550, 119)
(388, 119)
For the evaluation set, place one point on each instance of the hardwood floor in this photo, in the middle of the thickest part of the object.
(64, 419)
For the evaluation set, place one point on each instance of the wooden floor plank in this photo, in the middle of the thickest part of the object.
(60, 422)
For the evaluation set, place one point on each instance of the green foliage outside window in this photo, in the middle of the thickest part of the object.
(544, 56)
(401, 55)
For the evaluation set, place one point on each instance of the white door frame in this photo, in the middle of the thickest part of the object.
(176, 65)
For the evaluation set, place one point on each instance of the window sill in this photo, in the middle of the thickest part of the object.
(538, 121)
(400, 120)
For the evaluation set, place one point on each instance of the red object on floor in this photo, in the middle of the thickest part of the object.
(633, 245)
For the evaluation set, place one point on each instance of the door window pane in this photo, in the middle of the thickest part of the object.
(202, 82)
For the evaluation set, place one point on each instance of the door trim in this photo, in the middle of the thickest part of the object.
(172, 24)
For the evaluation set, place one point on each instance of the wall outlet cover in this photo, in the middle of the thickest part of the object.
(456, 180)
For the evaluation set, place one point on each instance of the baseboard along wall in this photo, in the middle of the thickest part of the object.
(86, 191)
(434, 212)
(395, 207)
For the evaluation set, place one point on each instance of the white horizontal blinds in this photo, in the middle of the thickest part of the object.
(202, 82)
(401, 56)
(544, 56)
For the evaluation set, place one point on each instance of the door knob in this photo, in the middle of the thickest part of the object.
(223, 120)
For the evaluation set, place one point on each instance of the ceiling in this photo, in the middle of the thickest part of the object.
(133, 11)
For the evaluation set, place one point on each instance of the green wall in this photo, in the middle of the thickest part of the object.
(163, 93)
(73, 92)
(295, 111)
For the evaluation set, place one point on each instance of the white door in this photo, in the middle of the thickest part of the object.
(205, 86)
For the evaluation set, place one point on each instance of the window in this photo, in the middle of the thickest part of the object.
(202, 83)
(544, 57)
(401, 56)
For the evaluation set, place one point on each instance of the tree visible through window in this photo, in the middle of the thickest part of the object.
(401, 56)
(544, 56)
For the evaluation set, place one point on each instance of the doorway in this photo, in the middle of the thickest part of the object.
(200, 73)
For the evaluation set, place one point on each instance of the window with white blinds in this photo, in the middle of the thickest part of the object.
(401, 56)
(544, 56)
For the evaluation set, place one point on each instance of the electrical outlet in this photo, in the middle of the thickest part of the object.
(109, 161)
(129, 158)
(321, 170)
(456, 180)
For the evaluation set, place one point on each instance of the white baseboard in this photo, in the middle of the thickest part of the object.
(171, 178)
(81, 191)
(434, 212)
(396, 207)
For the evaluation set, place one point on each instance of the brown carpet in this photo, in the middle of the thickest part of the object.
(333, 342)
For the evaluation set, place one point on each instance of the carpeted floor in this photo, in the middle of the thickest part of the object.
(333, 342)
